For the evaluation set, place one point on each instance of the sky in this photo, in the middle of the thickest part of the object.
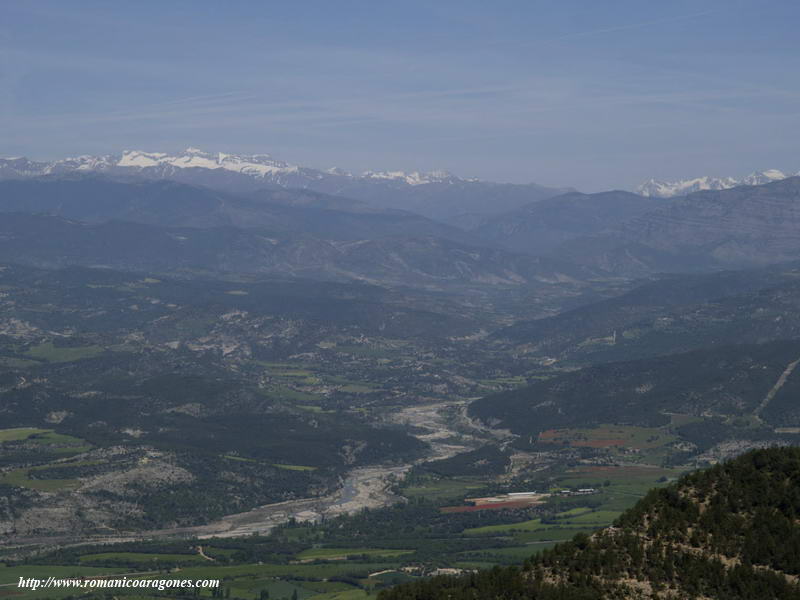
(594, 95)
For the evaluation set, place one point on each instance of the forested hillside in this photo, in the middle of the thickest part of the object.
(673, 313)
(729, 532)
(735, 386)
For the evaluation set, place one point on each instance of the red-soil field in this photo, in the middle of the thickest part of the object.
(492, 506)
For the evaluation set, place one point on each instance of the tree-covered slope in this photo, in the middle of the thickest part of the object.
(730, 532)
(727, 382)
(673, 313)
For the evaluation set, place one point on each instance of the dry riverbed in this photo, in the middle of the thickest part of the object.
(444, 426)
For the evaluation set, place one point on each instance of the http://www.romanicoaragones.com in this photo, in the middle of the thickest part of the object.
(34, 583)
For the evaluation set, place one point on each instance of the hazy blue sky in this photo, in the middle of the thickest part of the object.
(594, 94)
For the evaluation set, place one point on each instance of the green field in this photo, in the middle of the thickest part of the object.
(677, 420)
(532, 525)
(215, 552)
(356, 388)
(601, 518)
(48, 436)
(52, 353)
(51, 445)
(514, 381)
(339, 553)
(251, 588)
(511, 554)
(292, 373)
(641, 477)
(12, 574)
(367, 351)
(555, 534)
(239, 458)
(143, 559)
(352, 594)
(443, 489)
(13, 362)
(299, 571)
(534, 530)
(21, 478)
(19, 433)
(294, 467)
(574, 512)
(611, 436)
(281, 392)
(315, 409)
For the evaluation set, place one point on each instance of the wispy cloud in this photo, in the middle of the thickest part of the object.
(335, 83)
(628, 26)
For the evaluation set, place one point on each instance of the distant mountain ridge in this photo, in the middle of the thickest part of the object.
(45, 241)
(736, 228)
(725, 381)
(670, 189)
(540, 227)
(437, 194)
(257, 166)
(674, 313)
(94, 198)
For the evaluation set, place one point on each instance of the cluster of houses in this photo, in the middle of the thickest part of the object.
(513, 500)
(578, 492)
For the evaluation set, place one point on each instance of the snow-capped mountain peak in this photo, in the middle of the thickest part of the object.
(82, 163)
(762, 177)
(135, 158)
(668, 189)
(338, 172)
(257, 165)
(196, 165)
(413, 178)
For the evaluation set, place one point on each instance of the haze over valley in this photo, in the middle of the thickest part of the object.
(523, 342)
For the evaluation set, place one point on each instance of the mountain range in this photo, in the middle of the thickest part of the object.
(578, 235)
(437, 194)
(89, 219)
(255, 166)
(708, 230)
(541, 227)
(94, 198)
(237, 172)
(52, 242)
(670, 189)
